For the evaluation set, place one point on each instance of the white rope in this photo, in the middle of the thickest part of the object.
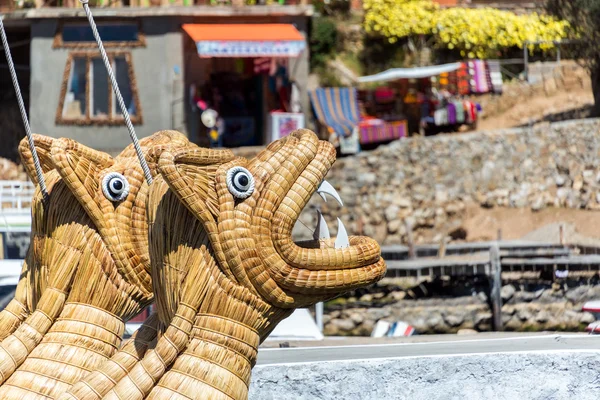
(115, 86)
(13, 75)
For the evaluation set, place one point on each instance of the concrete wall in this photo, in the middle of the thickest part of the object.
(533, 376)
(154, 71)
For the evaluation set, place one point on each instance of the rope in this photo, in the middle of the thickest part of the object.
(115, 86)
(13, 75)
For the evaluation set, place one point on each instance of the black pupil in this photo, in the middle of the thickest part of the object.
(243, 180)
(117, 184)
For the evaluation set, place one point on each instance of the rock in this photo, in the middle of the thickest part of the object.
(463, 332)
(524, 314)
(560, 180)
(343, 324)
(538, 203)
(403, 202)
(397, 296)
(367, 178)
(542, 316)
(391, 212)
(454, 320)
(507, 292)
(441, 196)
(587, 318)
(357, 318)
(367, 298)
(394, 226)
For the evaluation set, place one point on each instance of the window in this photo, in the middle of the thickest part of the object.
(87, 96)
(113, 34)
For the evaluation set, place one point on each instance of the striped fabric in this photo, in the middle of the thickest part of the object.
(463, 79)
(495, 75)
(377, 130)
(336, 108)
(477, 70)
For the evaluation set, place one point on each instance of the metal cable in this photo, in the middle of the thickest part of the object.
(115, 87)
(13, 75)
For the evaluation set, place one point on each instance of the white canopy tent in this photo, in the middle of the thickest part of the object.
(298, 326)
(410, 73)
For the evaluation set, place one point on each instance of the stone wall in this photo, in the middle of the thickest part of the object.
(429, 182)
(447, 307)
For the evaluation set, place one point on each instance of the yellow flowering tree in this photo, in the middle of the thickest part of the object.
(475, 33)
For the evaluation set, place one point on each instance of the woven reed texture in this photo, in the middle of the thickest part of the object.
(94, 270)
(226, 272)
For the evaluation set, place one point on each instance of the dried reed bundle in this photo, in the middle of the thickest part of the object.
(99, 271)
(223, 282)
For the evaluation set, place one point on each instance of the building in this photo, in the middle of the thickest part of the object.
(167, 60)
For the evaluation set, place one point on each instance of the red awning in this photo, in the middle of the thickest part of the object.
(246, 40)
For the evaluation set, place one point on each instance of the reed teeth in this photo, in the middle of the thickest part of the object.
(326, 188)
(341, 241)
(322, 231)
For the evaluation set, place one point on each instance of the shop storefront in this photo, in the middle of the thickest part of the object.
(245, 73)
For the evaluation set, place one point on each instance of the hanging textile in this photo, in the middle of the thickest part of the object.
(262, 65)
(460, 111)
(375, 130)
(462, 75)
(495, 75)
(478, 82)
(337, 109)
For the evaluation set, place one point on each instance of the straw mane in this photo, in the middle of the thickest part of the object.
(87, 268)
(225, 271)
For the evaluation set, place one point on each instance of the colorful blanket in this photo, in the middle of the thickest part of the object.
(377, 130)
(336, 108)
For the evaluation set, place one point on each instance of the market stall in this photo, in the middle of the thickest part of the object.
(433, 99)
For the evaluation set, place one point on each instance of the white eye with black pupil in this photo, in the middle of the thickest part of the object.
(240, 182)
(115, 187)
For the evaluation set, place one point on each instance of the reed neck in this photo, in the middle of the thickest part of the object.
(231, 346)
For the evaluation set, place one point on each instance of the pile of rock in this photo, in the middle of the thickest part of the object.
(429, 182)
(525, 309)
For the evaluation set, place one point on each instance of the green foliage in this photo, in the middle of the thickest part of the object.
(323, 41)
(474, 33)
(332, 7)
(584, 17)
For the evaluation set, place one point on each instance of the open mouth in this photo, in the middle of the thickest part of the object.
(323, 252)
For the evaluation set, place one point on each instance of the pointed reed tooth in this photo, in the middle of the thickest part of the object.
(322, 231)
(326, 188)
(341, 241)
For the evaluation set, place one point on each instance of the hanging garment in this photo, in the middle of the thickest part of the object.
(467, 106)
(496, 76)
(460, 111)
(472, 112)
(451, 113)
(440, 117)
(488, 76)
(453, 82)
(262, 65)
(463, 78)
(481, 77)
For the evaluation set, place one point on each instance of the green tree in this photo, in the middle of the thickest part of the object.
(584, 17)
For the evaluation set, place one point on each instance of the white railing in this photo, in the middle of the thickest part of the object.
(15, 196)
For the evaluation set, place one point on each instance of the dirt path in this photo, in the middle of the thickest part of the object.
(539, 108)
(581, 226)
